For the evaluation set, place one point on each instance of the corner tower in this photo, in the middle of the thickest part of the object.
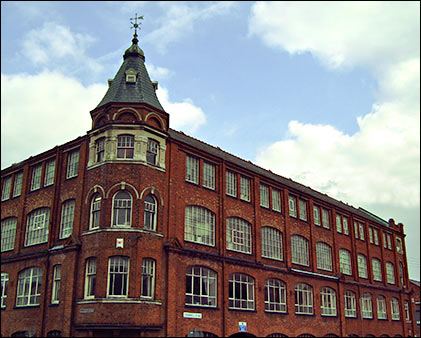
(129, 124)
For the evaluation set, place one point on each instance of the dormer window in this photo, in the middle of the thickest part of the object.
(131, 75)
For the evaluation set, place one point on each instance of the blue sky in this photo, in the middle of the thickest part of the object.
(324, 93)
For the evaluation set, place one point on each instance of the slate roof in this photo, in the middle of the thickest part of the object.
(204, 147)
(142, 91)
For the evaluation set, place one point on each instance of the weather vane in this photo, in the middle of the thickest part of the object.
(135, 25)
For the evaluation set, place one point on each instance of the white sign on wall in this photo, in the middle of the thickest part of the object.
(192, 315)
(119, 243)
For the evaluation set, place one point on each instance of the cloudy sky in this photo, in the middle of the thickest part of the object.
(324, 93)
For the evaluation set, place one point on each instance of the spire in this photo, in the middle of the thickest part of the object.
(134, 49)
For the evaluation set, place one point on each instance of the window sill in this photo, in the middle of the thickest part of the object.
(26, 307)
(53, 305)
(305, 314)
(189, 306)
(244, 310)
(276, 312)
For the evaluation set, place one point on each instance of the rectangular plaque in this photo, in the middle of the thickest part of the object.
(192, 315)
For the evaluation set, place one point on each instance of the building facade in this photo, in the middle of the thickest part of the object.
(135, 229)
(415, 287)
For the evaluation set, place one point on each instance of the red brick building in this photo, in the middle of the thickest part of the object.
(135, 229)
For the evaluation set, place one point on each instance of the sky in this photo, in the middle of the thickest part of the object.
(327, 94)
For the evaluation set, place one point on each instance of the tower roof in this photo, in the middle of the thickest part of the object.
(141, 90)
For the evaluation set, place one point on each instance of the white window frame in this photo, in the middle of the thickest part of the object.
(29, 287)
(241, 292)
(7, 185)
(276, 200)
(72, 164)
(245, 194)
(209, 171)
(264, 196)
(152, 152)
(390, 273)
(95, 215)
(122, 205)
(350, 304)
(4, 284)
(362, 266)
(394, 309)
(8, 233)
(407, 312)
(370, 235)
(328, 302)
(150, 214)
(239, 235)
(272, 243)
(148, 278)
(303, 299)
(90, 278)
(231, 183)
(381, 307)
(389, 241)
(376, 236)
(50, 167)
(192, 169)
(55, 292)
(324, 256)
(275, 296)
(36, 177)
(201, 287)
(356, 229)
(377, 269)
(17, 186)
(325, 218)
(100, 150)
(338, 223)
(125, 146)
(299, 250)
(199, 225)
(366, 306)
(345, 224)
(345, 262)
(362, 235)
(316, 215)
(399, 246)
(303, 209)
(292, 206)
(37, 227)
(67, 218)
(118, 267)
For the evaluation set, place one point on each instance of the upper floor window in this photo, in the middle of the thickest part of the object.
(17, 186)
(199, 225)
(350, 304)
(366, 306)
(72, 164)
(209, 175)
(264, 196)
(345, 261)
(55, 297)
(241, 291)
(276, 200)
(7, 184)
(95, 211)
(150, 214)
(316, 214)
(376, 236)
(401, 274)
(238, 235)
(390, 273)
(359, 230)
(100, 149)
(245, 188)
(325, 218)
(50, 168)
(328, 301)
(67, 218)
(231, 183)
(275, 296)
(394, 308)
(192, 169)
(90, 277)
(292, 203)
(118, 276)
(125, 146)
(342, 224)
(399, 247)
(8, 233)
(377, 269)
(37, 227)
(152, 152)
(303, 299)
(324, 256)
(406, 308)
(29, 287)
(36, 177)
(362, 266)
(299, 250)
(201, 286)
(4, 282)
(389, 241)
(303, 210)
(381, 307)
(148, 277)
(271, 243)
(122, 209)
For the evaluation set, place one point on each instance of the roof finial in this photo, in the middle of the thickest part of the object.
(135, 25)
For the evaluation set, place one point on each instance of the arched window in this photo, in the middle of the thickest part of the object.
(148, 277)
(350, 304)
(390, 273)
(8, 233)
(29, 287)
(394, 308)
(199, 225)
(328, 301)
(118, 276)
(345, 261)
(276, 335)
(303, 299)
(150, 214)
(271, 243)
(324, 256)
(201, 286)
(377, 269)
(241, 291)
(362, 266)
(152, 152)
(275, 296)
(54, 333)
(95, 211)
(238, 235)
(366, 306)
(381, 307)
(4, 282)
(37, 227)
(125, 146)
(122, 209)
(299, 250)
(67, 218)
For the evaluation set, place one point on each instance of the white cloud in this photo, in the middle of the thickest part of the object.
(158, 73)
(184, 115)
(41, 111)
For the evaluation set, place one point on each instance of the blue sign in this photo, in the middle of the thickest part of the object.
(242, 326)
